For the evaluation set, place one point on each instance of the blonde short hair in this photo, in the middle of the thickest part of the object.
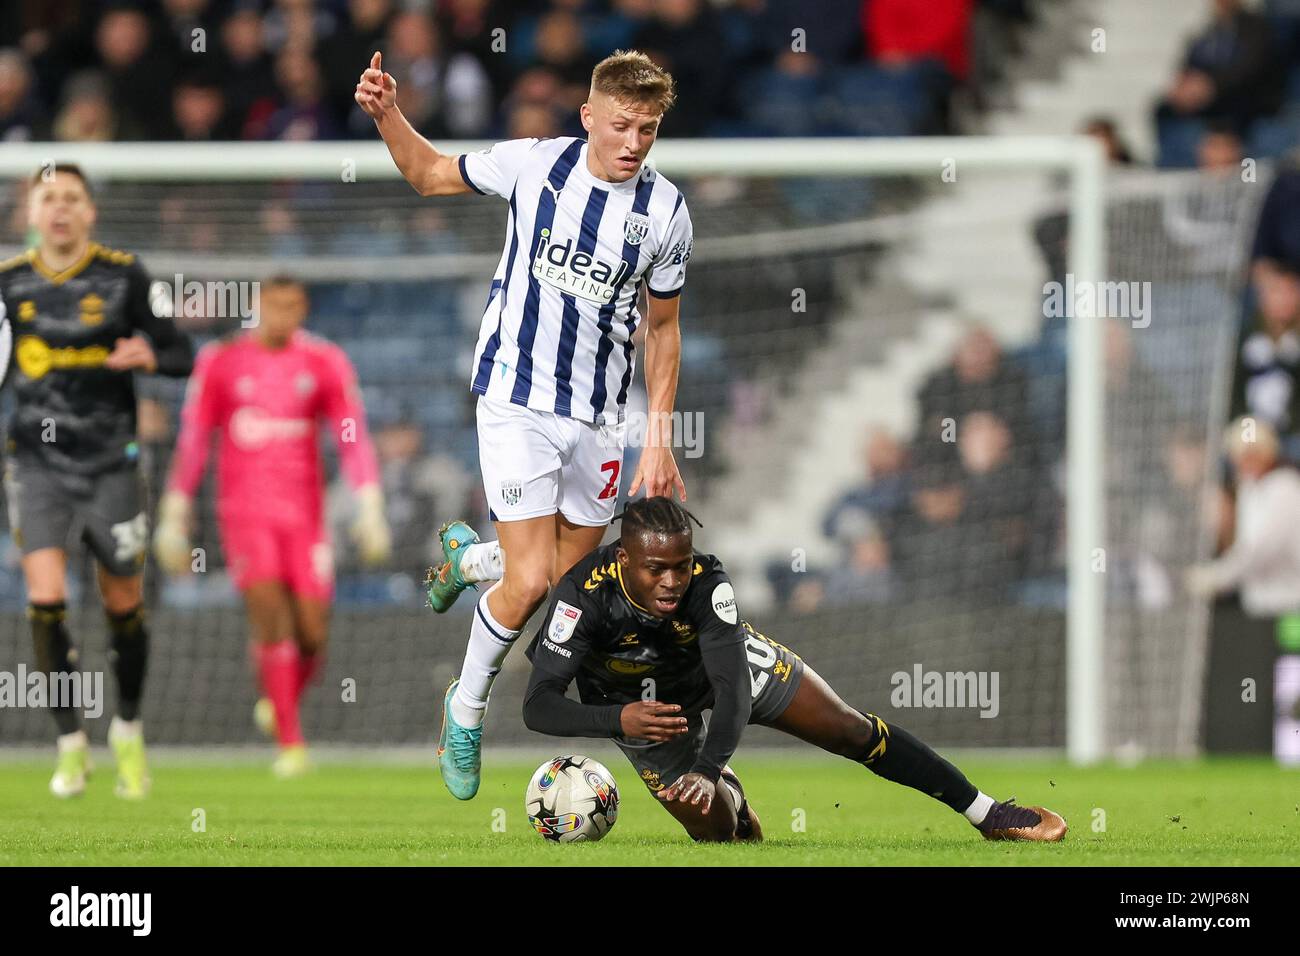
(631, 77)
(1264, 441)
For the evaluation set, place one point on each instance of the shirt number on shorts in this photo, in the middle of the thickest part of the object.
(762, 655)
(130, 538)
(611, 487)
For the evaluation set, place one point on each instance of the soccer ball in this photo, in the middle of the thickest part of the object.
(572, 799)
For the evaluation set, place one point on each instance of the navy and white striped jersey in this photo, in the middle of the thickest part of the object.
(557, 330)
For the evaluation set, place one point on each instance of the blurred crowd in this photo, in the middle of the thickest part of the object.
(1239, 76)
(197, 70)
(970, 507)
(965, 511)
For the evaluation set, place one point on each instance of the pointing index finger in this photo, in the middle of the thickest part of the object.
(377, 61)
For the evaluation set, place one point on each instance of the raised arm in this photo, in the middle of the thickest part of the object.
(429, 172)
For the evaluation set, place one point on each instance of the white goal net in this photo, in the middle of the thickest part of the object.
(906, 453)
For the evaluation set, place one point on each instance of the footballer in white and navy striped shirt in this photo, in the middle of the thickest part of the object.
(589, 224)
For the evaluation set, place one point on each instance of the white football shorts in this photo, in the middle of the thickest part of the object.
(536, 463)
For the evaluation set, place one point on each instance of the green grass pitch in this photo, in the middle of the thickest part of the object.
(815, 811)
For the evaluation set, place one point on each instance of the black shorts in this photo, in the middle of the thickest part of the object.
(106, 512)
(774, 675)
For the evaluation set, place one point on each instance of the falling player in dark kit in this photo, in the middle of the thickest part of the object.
(647, 615)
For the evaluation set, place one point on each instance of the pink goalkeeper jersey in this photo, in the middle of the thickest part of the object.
(269, 405)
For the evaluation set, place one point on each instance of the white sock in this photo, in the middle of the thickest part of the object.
(979, 808)
(77, 740)
(120, 728)
(489, 643)
(483, 562)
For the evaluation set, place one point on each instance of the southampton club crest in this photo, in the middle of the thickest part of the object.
(635, 228)
(511, 492)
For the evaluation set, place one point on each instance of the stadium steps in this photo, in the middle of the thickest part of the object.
(975, 244)
(822, 449)
(970, 255)
(1144, 44)
(889, 309)
(989, 271)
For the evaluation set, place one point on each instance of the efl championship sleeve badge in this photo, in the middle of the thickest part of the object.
(563, 621)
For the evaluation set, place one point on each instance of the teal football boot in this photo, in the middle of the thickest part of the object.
(460, 752)
(445, 583)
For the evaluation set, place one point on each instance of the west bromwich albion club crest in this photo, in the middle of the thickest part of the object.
(635, 228)
(511, 492)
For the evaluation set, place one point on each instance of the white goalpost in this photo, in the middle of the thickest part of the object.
(211, 182)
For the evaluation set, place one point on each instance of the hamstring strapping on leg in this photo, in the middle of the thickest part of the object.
(128, 653)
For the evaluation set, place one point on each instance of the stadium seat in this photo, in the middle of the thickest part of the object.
(779, 104)
(1272, 137)
(879, 101)
(733, 129)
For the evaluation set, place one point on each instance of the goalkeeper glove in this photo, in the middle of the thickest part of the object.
(370, 530)
(171, 539)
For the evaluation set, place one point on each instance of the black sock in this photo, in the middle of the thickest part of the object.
(54, 654)
(128, 651)
(896, 755)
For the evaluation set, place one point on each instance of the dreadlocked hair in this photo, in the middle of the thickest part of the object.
(657, 515)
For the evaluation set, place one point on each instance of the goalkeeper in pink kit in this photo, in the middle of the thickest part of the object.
(268, 392)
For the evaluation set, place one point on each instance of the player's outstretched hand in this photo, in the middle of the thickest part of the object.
(132, 353)
(652, 720)
(376, 90)
(693, 788)
(657, 470)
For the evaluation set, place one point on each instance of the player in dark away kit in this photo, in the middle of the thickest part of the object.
(648, 616)
(75, 324)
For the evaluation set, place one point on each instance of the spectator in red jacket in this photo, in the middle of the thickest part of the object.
(903, 31)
